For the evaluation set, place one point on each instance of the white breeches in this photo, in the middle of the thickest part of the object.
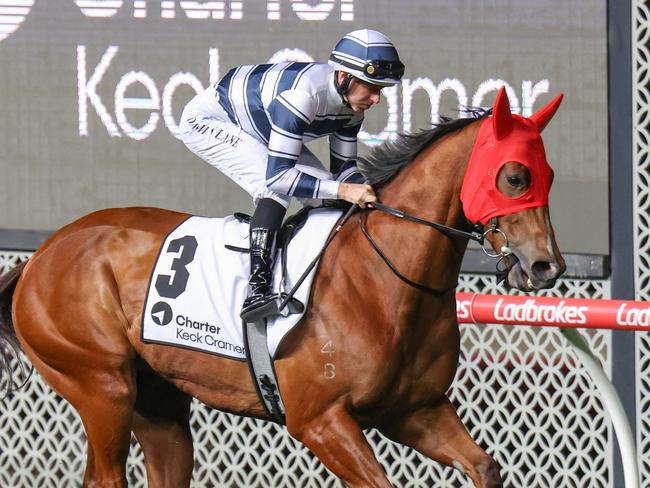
(235, 153)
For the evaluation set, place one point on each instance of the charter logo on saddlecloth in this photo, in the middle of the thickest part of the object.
(12, 14)
(161, 313)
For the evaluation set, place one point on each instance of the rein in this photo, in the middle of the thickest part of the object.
(476, 234)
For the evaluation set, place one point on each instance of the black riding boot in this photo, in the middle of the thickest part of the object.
(263, 231)
(262, 242)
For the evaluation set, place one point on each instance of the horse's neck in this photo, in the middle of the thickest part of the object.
(429, 187)
(435, 175)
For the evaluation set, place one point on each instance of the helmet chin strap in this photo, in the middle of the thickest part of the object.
(344, 87)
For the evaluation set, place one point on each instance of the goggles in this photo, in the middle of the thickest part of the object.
(381, 70)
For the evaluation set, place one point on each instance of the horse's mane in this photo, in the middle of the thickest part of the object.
(386, 160)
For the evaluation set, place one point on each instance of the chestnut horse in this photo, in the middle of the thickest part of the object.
(392, 349)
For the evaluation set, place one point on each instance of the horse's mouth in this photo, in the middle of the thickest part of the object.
(519, 278)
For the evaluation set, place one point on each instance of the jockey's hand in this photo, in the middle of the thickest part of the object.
(359, 194)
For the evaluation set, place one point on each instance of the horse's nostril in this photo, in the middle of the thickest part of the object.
(544, 270)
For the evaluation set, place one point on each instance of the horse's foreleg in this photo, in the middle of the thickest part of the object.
(161, 424)
(338, 441)
(439, 434)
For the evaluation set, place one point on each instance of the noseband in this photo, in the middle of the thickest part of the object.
(476, 234)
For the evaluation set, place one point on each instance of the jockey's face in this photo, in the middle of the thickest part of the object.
(361, 95)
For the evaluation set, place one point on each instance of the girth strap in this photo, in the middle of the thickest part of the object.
(262, 371)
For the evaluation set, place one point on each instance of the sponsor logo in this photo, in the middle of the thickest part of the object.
(462, 309)
(531, 311)
(156, 105)
(626, 315)
(161, 313)
(219, 135)
(232, 9)
(205, 341)
(12, 14)
(186, 321)
(202, 335)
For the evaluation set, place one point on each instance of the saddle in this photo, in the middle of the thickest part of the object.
(288, 231)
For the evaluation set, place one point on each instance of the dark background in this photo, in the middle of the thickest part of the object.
(56, 164)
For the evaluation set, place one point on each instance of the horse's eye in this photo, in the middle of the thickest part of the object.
(515, 181)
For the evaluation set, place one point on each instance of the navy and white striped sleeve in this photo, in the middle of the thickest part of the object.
(290, 113)
(343, 150)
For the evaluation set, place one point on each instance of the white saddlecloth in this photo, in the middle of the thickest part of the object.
(198, 286)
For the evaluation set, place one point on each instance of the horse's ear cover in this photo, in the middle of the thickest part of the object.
(502, 138)
(502, 122)
(543, 115)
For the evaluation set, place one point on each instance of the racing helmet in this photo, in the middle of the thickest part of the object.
(368, 55)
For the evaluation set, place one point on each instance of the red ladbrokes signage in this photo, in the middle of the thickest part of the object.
(545, 311)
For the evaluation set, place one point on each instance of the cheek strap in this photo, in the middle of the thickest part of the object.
(344, 87)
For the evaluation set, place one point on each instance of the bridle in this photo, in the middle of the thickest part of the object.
(475, 234)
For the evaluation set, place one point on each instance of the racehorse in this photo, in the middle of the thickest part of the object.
(392, 344)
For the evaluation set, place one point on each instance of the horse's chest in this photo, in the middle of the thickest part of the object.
(408, 385)
(426, 384)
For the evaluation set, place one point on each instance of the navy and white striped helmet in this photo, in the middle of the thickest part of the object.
(368, 55)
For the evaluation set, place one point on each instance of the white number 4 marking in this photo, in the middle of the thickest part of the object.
(327, 348)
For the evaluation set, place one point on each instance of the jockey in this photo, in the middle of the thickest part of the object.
(253, 123)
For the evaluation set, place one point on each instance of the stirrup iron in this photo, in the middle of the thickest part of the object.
(271, 307)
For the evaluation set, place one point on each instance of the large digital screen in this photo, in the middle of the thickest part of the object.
(91, 93)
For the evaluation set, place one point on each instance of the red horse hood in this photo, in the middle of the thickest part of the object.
(502, 138)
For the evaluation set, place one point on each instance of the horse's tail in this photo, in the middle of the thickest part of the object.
(9, 345)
